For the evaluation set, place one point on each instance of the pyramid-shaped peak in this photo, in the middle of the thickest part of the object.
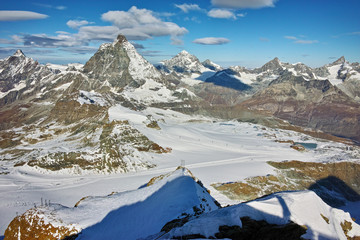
(341, 60)
(276, 59)
(121, 38)
(184, 52)
(19, 53)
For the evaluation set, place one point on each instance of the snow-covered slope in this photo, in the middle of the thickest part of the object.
(128, 215)
(304, 208)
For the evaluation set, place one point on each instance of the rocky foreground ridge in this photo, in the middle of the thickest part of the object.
(177, 206)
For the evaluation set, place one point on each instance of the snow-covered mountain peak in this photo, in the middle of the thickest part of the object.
(183, 63)
(19, 53)
(119, 64)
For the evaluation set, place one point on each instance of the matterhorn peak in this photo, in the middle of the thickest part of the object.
(121, 39)
(19, 53)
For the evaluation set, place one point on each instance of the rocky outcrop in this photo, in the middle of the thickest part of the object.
(41, 228)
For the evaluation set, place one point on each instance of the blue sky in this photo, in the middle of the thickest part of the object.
(229, 32)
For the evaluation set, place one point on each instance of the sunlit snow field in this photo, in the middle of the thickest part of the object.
(214, 151)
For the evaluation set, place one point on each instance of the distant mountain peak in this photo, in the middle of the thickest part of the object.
(19, 53)
(276, 59)
(341, 60)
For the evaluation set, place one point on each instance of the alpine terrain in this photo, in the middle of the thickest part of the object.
(89, 151)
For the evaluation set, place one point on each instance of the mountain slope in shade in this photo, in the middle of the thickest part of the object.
(129, 215)
(304, 208)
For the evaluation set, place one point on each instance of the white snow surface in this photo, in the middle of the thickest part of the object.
(302, 207)
(215, 152)
(150, 92)
(138, 213)
(139, 68)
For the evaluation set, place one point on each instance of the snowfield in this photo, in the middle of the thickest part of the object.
(214, 151)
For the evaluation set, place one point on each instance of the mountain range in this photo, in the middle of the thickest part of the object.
(112, 115)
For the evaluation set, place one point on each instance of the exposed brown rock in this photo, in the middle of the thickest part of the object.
(30, 226)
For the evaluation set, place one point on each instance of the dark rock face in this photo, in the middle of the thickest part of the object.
(254, 230)
(110, 63)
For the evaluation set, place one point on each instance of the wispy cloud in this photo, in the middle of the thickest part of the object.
(262, 39)
(244, 3)
(211, 41)
(221, 13)
(50, 6)
(301, 40)
(347, 34)
(20, 15)
(188, 7)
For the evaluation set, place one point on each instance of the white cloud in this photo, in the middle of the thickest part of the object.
(241, 14)
(211, 41)
(188, 7)
(74, 24)
(20, 15)
(221, 13)
(60, 7)
(138, 24)
(103, 33)
(301, 41)
(243, 3)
